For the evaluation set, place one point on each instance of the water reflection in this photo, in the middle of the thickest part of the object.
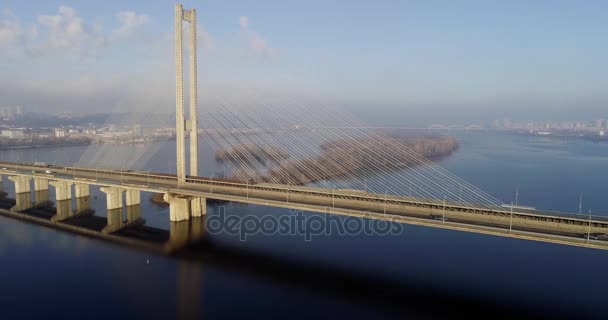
(42, 198)
(186, 232)
(83, 206)
(23, 201)
(115, 221)
(134, 214)
(64, 210)
(188, 290)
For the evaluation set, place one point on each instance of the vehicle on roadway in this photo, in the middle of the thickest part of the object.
(48, 171)
(439, 218)
(4, 168)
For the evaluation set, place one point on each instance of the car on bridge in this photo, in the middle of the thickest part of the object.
(439, 218)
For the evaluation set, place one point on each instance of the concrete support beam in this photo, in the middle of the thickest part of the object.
(22, 184)
(133, 197)
(179, 206)
(63, 190)
(41, 184)
(198, 207)
(113, 197)
(81, 190)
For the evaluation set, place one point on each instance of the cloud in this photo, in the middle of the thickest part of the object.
(257, 44)
(11, 31)
(67, 32)
(205, 39)
(244, 22)
(129, 22)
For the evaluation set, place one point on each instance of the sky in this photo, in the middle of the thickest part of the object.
(517, 58)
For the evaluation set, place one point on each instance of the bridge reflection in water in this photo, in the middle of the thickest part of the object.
(187, 242)
(123, 226)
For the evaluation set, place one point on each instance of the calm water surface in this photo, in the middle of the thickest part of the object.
(46, 273)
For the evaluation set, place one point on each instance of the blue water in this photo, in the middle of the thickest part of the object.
(43, 271)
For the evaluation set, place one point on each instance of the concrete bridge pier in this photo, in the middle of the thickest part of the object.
(83, 199)
(114, 207)
(179, 207)
(63, 200)
(184, 207)
(2, 193)
(23, 196)
(22, 184)
(113, 197)
(63, 190)
(133, 201)
(198, 207)
(41, 192)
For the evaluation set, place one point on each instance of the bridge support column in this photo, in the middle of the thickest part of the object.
(81, 190)
(198, 207)
(63, 190)
(41, 184)
(133, 197)
(179, 206)
(22, 184)
(2, 193)
(83, 199)
(41, 187)
(63, 200)
(113, 197)
(133, 201)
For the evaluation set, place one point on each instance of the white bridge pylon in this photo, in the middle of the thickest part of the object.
(181, 124)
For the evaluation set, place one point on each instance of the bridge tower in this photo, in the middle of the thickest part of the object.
(181, 124)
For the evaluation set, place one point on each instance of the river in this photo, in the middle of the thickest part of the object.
(47, 273)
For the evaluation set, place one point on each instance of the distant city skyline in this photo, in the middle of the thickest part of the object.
(483, 59)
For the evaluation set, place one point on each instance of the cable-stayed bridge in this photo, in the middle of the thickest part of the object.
(292, 153)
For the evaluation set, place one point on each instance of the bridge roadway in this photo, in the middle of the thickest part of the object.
(555, 227)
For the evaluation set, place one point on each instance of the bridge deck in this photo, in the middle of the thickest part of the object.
(528, 224)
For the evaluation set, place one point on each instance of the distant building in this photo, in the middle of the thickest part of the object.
(13, 134)
(74, 131)
(10, 113)
(60, 133)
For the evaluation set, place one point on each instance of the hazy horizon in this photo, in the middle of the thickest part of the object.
(431, 61)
